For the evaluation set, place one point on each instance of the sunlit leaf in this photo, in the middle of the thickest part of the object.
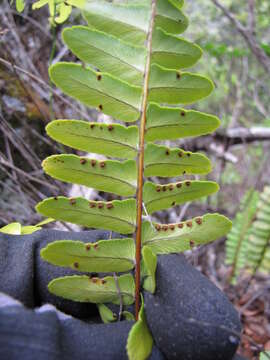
(118, 216)
(117, 255)
(175, 238)
(95, 290)
(109, 175)
(166, 162)
(112, 140)
(158, 197)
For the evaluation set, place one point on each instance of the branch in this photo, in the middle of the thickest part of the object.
(248, 35)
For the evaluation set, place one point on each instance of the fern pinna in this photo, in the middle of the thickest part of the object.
(248, 243)
(130, 55)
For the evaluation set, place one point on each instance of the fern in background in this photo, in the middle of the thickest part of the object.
(248, 243)
(237, 240)
(130, 56)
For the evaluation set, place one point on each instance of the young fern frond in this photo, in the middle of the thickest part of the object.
(248, 243)
(132, 59)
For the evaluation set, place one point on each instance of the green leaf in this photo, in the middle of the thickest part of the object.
(117, 255)
(111, 176)
(94, 290)
(112, 140)
(173, 52)
(20, 5)
(140, 341)
(127, 21)
(119, 216)
(175, 238)
(171, 87)
(100, 90)
(263, 355)
(170, 20)
(106, 314)
(26, 230)
(12, 229)
(128, 316)
(165, 123)
(64, 13)
(149, 269)
(158, 197)
(107, 53)
(165, 162)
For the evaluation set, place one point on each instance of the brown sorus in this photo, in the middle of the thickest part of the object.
(76, 265)
(93, 162)
(55, 198)
(181, 225)
(188, 154)
(95, 246)
(183, 113)
(102, 164)
(158, 227)
(110, 127)
(189, 223)
(88, 247)
(172, 227)
(158, 188)
(167, 152)
(103, 281)
(92, 205)
(192, 243)
(180, 154)
(109, 206)
(173, 203)
(100, 205)
(94, 280)
(82, 161)
(72, 201)
(178, 75)
(100, 107)
(178, 185)
(171, 187)
(164, 188)
(92, 126)
(165, 227)
(188, 183)
(199, 221)
(99, 77)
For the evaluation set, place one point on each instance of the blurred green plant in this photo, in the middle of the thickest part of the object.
(248, 243)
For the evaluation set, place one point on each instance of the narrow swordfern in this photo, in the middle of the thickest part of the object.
(131, 69)
(248, 243)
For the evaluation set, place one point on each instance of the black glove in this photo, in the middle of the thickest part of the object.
(188, 316)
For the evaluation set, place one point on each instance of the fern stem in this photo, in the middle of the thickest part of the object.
(140, 161)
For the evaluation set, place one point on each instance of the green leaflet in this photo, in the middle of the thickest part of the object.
(169, 16)
(175, 238)
(112, 140)
(106, 314)
(149, 266)
(164, 123)
(171, 87)
(100, 90)
(117, 255)
(20, 5)
(111, 176)
(17, 229)
(238, 237)
(118, 216)
(12, 228)
(140, 341)
(166, 162)
(128, 22)
(94, 290)
(158, 197)
(107, 53)
(173, 52)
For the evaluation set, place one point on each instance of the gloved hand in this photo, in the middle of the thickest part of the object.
(32, 330)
